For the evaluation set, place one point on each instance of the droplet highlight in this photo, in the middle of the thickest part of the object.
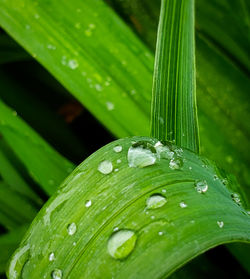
(155, 201)
(121, 244)
(117, 148)
(56, 274)
(88, 203)
(51, 257)
(71, 229)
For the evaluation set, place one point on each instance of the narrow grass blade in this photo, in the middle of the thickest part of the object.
(47, 167)
(174, 112)
(130, 187)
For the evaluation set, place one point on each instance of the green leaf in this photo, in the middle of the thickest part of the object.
(104, 202)
(47, 167)
(101, 71)
(174, 113)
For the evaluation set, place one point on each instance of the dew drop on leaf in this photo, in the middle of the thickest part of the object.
(183, 204)
(121, 244)
(201, 186)
(175, 163)
(141, 155)
(163, 151)
(71, 228)
(56, 274)
(105, 167)
(160, 233)
(117, 148)
(155, 201)
(51, 257)
(73, 64)
(88, 203)
(236, 198)
(220, 224)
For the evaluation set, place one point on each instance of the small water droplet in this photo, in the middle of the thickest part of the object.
(155, 201)
(88, 203)
(51, 257)
(105, 167)
(236, 198)
(116, 170)
(117, 148)
(71, 228)
(36, 16)
(133, 92)
(201, 186)
(121, 243)
(141, 155)
(216, 177)
(163, 151)
(118, 161)
(164, 190)
(74, 243)
(224, 181)
(115, 229)
(175, 163)
(220, 224)
(56, 274)
(73, 64)
(160, 233)
(98, 87)
(78, 25)
(52, 47)
(183, 204)
(27, 27)
(190, 168)
(152, 217)
(110, 106)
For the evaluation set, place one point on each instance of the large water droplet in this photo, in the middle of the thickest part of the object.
(141, 154)
(121, 244)
(155, 201)
(105, 167)
(201, 186)
(56, 274)
(71, 228)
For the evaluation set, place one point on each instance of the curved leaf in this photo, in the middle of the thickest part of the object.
(186, 220)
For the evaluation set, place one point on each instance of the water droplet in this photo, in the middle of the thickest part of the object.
(121, 244)
(183, 204)
(190, 168)
(51, 257)
(164, 190)
(216, 177)
(220, 224)
(56, 274)
(105, 167)
(71, 228)
(115, 229)
(133, 92)
(236, 198)
(224, 181)
(141, 155)
(36, 16)
(175, 163)
(117, 148)
(88, 203)
(160, 233)
(179, 152)
(152, 217)
(98, 87)
(116, 170)
(163, 151)
(27, 27)
(155, 201)
(118, 161)
(201, 186)
(110, 106)
(73, 64)
(52, 47)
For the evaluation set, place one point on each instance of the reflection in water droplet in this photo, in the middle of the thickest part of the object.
(236, 198)
(163, 151)
(51, 257)
(201, 186)
(175, 163)
(117, 148)
(105, 167)
(141, 155)
(220, 224)
(183, 204)
(155, 201)
(121, 244)
(88, 203)
(56, 274)
(71, 228)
